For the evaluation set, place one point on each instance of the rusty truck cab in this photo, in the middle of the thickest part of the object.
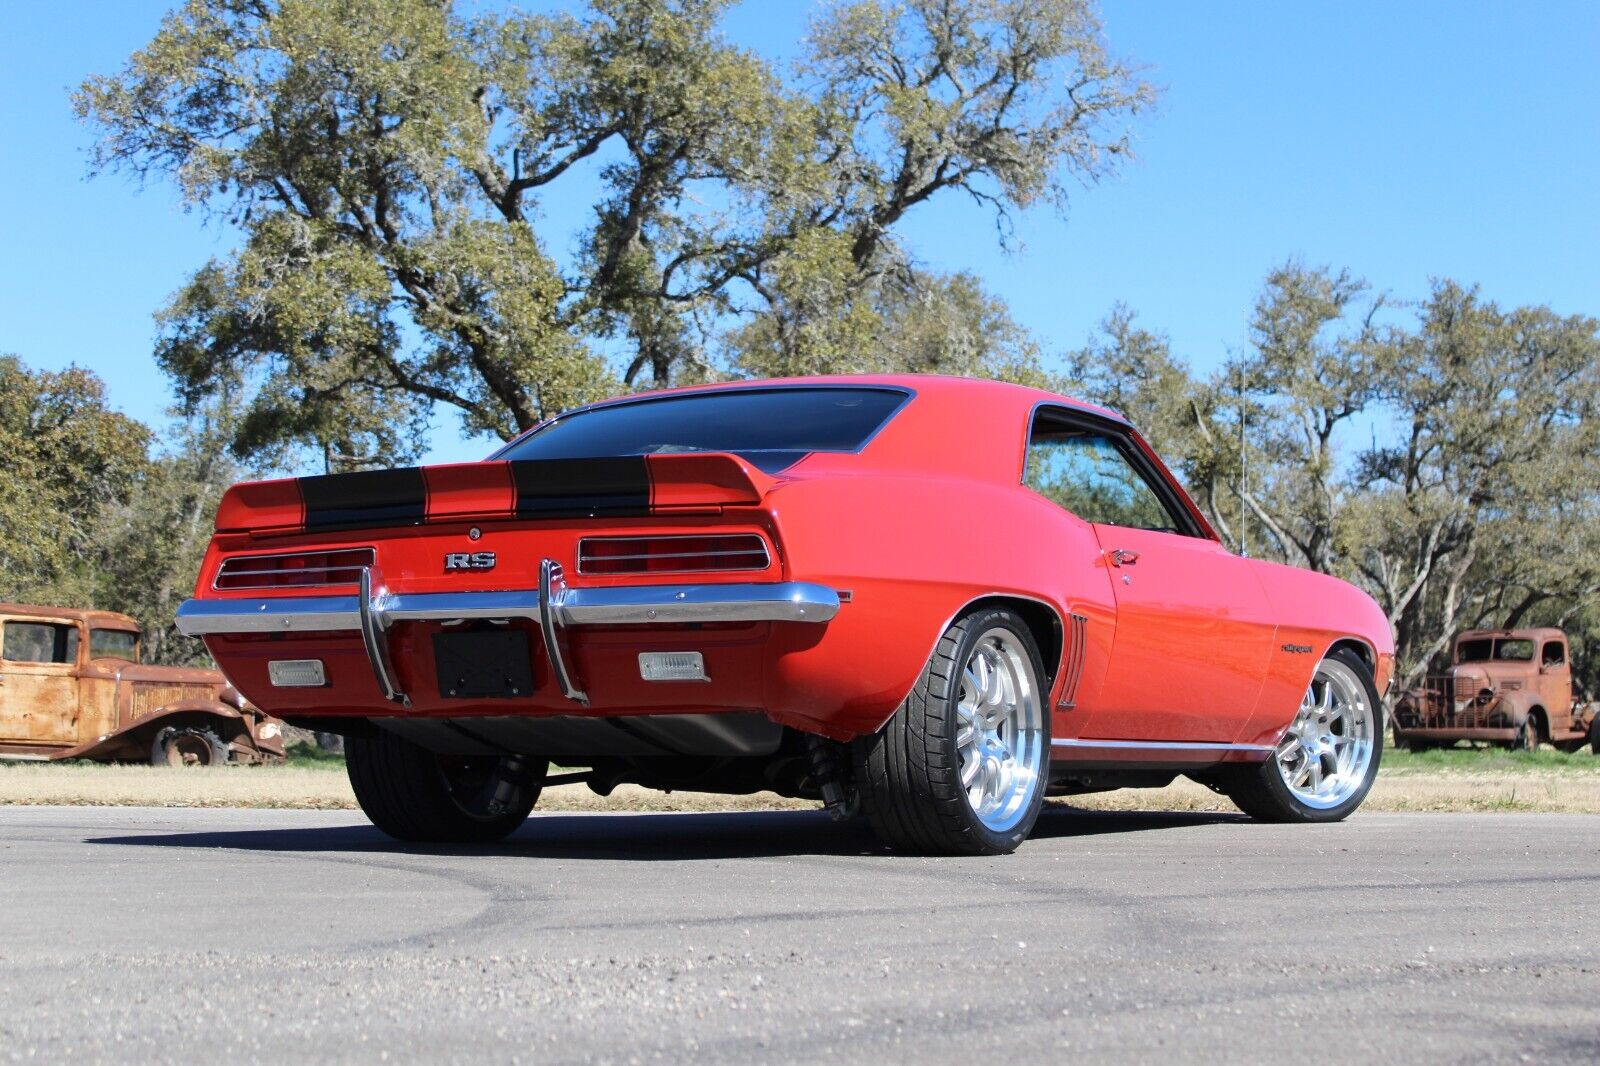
(58, 675)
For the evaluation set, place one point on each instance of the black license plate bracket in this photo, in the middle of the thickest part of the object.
(483, 664)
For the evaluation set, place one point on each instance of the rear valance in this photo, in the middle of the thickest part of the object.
(539, 488)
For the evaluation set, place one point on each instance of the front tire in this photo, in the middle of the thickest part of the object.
(420, 796)
(188, 746)
(1527, 738)
(1325, 763)
(961, 767)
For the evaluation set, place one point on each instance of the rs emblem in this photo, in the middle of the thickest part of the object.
(469, 561)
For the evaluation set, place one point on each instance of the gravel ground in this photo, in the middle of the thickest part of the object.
(1570, 787)
(163, 935)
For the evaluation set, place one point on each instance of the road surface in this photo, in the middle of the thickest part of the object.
(138, 935)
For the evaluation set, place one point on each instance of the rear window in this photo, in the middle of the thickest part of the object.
(770, 428)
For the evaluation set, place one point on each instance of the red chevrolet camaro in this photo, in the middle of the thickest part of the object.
(932, 600)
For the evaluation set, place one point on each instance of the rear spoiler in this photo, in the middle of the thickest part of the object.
(624, 486)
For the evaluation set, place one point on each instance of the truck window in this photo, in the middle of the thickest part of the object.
(1555, 654)
(1514, 651)
(39, 642)
(1505, 649)
(114, 644)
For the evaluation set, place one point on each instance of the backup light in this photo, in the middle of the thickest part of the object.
(672, 666)
(297, 673)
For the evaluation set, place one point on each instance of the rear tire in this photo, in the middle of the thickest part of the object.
(1594, 736)
(1264, 791)
(177, 745)
(961, 767)
(420, 796)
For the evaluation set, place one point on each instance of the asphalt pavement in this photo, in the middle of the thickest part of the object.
(141, 935)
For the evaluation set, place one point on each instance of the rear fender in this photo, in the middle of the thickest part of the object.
(916, 554)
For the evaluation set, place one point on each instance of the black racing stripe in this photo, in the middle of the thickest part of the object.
(365, 498)
(576, 488)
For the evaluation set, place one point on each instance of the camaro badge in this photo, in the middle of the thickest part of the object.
(1292, 649)
(469, 561)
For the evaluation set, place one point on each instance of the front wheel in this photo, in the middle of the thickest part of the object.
(188, 746)
(1527, 738)
(1327, 759)
(961, 767)
(414, 794)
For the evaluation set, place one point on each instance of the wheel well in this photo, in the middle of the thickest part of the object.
(1536, 714)
(1043, 624)
(226, 728)
(1363, 652)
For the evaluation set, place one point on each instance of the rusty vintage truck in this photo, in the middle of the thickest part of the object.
(72, 687)
(1504, 686)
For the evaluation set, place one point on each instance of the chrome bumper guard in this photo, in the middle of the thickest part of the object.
(553, 605)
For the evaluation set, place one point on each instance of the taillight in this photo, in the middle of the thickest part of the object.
(668, 555)
(294, 569)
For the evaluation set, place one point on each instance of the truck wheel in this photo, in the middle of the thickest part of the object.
(1594, 736)
(1527, 738)
(1327, 760)
(961, 767)
(414, 794)
(188, 746)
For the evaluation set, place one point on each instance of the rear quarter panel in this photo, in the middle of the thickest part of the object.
(1314, 611)
(913, 551)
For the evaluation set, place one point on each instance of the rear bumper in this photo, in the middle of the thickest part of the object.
(553, 607)
(788, 601)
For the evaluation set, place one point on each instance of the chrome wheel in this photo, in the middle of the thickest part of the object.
(1327, 750)
(999, 730)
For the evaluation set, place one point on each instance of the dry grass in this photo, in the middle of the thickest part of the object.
(1407, 786)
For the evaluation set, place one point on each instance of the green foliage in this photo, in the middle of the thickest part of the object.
(1005, 101)
(66, 453)
(382, 158)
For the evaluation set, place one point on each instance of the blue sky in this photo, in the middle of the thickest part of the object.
(1401, 140)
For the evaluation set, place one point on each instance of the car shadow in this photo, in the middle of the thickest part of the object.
(654, 837)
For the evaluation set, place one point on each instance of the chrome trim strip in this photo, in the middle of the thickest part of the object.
(462, 606)
(1079, 625)
(786, 601)
(373, 604)
(284, 614)
(552, 591)
(1157, 745)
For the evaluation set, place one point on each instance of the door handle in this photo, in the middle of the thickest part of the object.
(1123, 557)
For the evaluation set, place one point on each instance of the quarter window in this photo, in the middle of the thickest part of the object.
(39, 642)
(1088, 473)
